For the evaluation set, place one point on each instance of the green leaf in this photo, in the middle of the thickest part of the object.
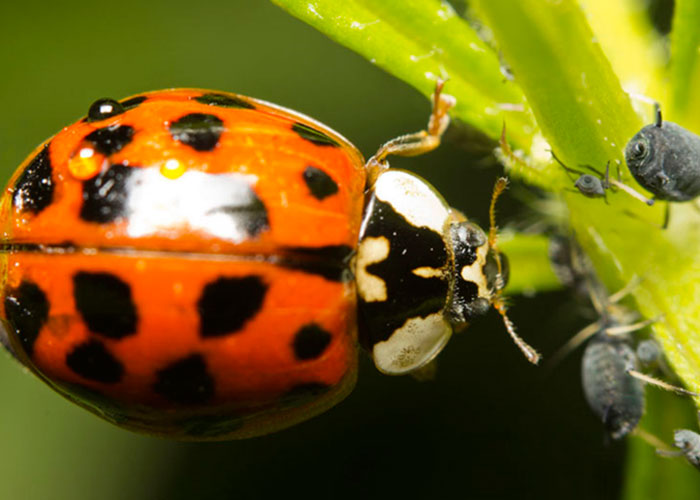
(587, 118)
(685, 64)
(570, 85)
(529, 263)
(420, 41)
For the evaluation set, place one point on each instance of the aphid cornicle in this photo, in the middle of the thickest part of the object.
(664, 158)
(197, 264)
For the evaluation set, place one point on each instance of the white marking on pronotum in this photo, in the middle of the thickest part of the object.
(428, 272)
(474, 272)
(371, 250)
(412, 345)
(158, 205)
(413, 198)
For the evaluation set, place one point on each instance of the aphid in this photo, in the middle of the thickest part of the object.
(665, 159)
(613, 384)
(596, 186)
(688, 442)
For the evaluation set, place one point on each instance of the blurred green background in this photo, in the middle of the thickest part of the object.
(489, 426)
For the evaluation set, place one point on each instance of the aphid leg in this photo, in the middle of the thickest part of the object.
(568, 170)
(633, 193)
(416, 143)
(623, 329)
(651, 440)
(573, 343)
(667, 216)
(660, 383)
(625, 290)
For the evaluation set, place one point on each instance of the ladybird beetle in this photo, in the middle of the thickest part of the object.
(196, 264)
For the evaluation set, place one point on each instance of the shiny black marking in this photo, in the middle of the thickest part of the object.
(408, 295)
(133, 102)
(26, 309)
(186, 381)
(105, 304)
(315, 136)
(33, 191)
(200, 131)
(330, 262)
(106, 194)
(228, 303)
(112, 139)
(252, 216)
(465, 303)
(224, 101)
(92, 360)
(319, 183)
(310, 342)
(104, 108)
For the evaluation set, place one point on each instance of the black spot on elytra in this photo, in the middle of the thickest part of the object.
(319, 183)
(33, 191)
(249, 213)
(200, 131)
(133, 102)
(105, 304)
(105, 195)
(330, 262)
(310, 342)
(185, 381)
(227, 303)
(104, 108)
(408, 295)
(92, 360)
(112, 139)
(26, 309)
(224, 101)
(315, 136)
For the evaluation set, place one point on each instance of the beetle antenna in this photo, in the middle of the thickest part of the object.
(498, 188)
(530, 353)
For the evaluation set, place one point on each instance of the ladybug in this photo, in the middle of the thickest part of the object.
(197, 264)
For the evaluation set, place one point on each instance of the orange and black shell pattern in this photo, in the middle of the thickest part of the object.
(176, 262)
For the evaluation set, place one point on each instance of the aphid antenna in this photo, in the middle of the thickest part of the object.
(572, 344)
(634, 194)
(660, 383)
(602, 308)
